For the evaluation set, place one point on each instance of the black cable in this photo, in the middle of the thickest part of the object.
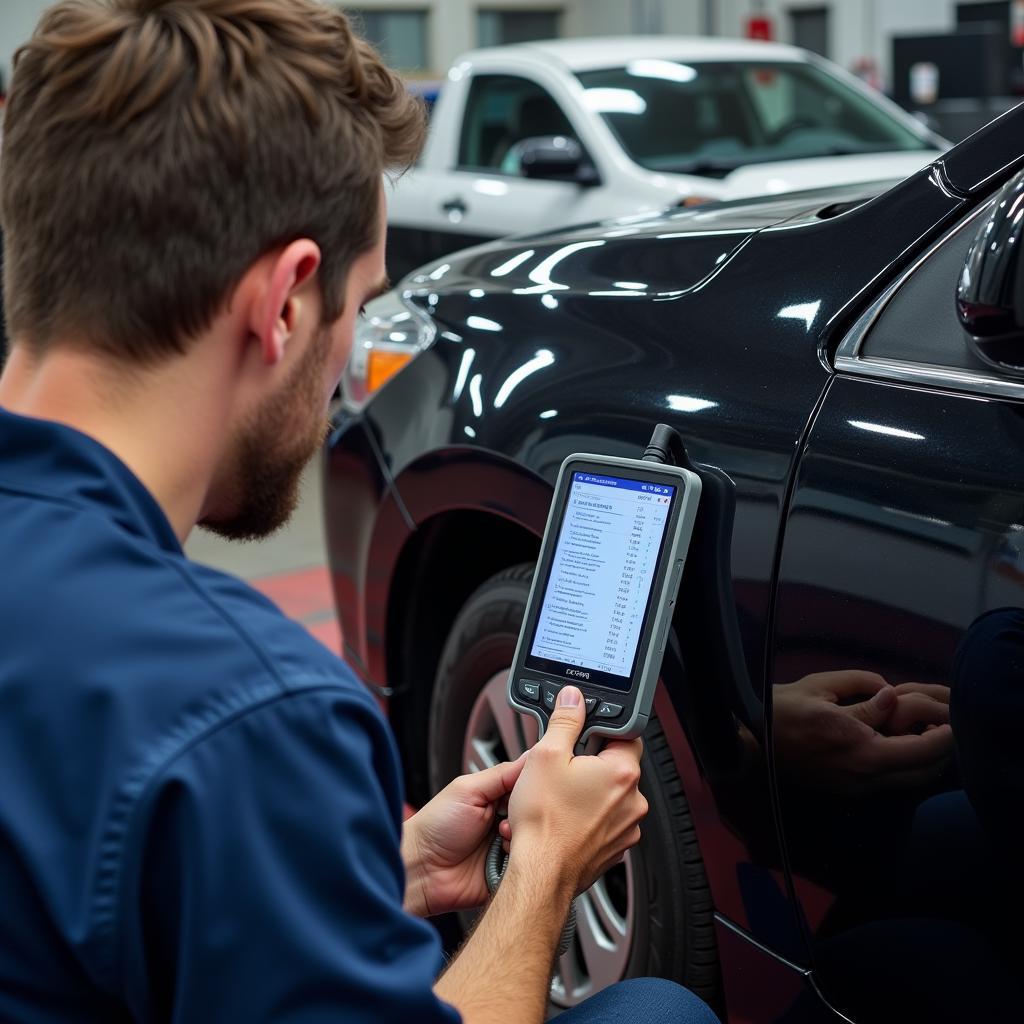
(666, 447)
(494, 871)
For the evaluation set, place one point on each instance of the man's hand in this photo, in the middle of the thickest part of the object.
(570, 819)
(444, 845)
(582, 812)
(852, 732)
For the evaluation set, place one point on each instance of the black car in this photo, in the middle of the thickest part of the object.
(822, 844)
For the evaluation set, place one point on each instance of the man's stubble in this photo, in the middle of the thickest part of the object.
(272, 449)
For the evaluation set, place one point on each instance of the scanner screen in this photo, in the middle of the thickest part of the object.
(595, 602)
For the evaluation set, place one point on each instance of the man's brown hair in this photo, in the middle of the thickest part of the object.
(154, 149)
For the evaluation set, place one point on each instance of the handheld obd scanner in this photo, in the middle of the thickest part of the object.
(607, 577)
(603, 594)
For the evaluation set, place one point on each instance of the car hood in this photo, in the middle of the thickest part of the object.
(667, 252)
(790, 175)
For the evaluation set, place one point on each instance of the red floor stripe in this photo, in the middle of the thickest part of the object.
(329, 634)
(299, 594)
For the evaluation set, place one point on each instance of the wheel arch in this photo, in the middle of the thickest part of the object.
(473, 513)
(421, 613)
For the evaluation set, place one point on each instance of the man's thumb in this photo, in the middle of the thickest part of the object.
(875, 711)
(566, 720)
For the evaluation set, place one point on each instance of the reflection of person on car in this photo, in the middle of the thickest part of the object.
(930, 933)
(853, 733)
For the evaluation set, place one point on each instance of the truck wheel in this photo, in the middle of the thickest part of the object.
(651, 915)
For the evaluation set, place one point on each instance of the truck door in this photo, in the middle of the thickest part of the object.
(477, 191)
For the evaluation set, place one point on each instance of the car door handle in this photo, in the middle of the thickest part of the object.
(456, 205)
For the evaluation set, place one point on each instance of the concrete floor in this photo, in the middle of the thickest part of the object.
(290, 567)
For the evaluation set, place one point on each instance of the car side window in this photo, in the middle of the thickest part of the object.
(919, 324)
(501, 112)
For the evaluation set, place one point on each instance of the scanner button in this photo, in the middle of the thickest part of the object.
(531, 691)
(550, 694)
(663, 634)
(591, 703)
(606, 710)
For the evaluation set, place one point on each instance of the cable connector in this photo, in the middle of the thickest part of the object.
(666, 447)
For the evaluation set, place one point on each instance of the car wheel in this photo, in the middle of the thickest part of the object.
(652, 914)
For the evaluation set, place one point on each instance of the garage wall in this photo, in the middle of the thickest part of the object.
(17, 20)
(857, 28)
(620, 17)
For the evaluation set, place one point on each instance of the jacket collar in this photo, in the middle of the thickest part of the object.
(56, 462)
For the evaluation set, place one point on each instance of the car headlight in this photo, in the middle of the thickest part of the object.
(388, 337)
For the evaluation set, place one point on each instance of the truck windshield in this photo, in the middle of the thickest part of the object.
(710, 118)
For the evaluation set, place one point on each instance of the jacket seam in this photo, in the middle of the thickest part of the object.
(253, 645)
(108, 902)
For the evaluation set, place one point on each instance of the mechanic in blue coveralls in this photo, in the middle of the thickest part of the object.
(200, 807)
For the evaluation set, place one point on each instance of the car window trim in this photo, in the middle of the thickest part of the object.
(486, 73)
(848, 358)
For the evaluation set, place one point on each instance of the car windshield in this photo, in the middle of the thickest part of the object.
(710, 118)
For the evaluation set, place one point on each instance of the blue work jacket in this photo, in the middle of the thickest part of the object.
(200, 806)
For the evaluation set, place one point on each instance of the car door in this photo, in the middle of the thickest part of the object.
(906, 527)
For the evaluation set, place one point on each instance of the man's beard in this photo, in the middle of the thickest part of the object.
(272, 450)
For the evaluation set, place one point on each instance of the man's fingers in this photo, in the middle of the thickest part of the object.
(876, 711)
(914, 712)
(491, 784)
(566, 722)
(848, 682)
(934, 690)
(906, 753)
(618, 750)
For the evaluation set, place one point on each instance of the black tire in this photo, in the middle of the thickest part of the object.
(673, 926)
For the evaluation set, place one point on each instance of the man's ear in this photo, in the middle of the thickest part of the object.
(283, 299)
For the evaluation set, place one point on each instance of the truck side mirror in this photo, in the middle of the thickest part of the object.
(990, 295)
(555, 158)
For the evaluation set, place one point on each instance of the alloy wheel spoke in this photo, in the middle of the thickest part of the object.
(504, 716)
(569, 974)
(604, 956)
(479, 754)
(611, 920)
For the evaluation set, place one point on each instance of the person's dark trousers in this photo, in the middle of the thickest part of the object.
(641, 1001)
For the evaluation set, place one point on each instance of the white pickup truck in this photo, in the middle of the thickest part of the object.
(542, 135)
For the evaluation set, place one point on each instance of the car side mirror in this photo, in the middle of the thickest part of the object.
(555, 158)
(990, 295)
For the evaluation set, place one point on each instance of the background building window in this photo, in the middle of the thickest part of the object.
(496, 28)
(808, 27)
(401, 36)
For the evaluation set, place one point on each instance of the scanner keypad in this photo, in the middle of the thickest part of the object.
(533, 692)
